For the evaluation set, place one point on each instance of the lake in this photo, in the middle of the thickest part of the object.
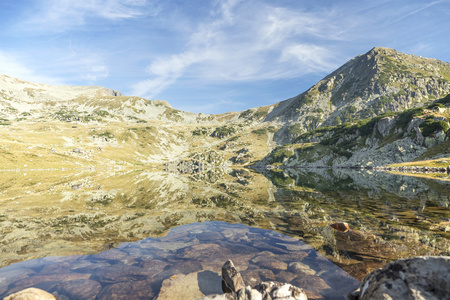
(84, 212)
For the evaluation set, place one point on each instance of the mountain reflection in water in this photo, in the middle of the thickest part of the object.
(85, 212)
(195, 253)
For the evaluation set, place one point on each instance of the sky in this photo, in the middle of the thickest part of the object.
(209, 56)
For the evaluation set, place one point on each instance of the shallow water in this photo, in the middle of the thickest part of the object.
(190, 257)
(56, 213)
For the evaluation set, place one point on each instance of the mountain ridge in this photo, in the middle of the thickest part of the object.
(379, 81)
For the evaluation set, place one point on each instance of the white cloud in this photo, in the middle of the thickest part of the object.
(245, 41)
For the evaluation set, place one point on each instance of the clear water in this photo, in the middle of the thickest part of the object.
(60, 213)
(194, 253)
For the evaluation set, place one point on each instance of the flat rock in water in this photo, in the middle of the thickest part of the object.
(181, 287)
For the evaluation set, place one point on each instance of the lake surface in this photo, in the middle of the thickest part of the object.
(81, 212)
(185, 264)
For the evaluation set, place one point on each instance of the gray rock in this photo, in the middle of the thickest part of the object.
(272, 290)
(231, 279)
(425, 277)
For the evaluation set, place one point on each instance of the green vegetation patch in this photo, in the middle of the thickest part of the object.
(280, 179)
(445, 101)
(223, 131)
(280, 154)
(173, 114)
(258, 115)
(430, 126)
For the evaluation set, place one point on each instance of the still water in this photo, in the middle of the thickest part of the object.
(81, 212)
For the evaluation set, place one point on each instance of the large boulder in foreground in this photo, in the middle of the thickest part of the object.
(424, 277)
(31, 294)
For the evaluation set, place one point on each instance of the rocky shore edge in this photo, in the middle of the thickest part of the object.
(405, 169)
(418, 278)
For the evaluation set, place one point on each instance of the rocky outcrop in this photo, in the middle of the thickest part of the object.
(416, 278)
(396, 138)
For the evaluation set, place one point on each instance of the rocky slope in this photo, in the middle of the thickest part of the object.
(379, 81)
(421, 132)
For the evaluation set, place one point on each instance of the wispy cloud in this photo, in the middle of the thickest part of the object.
(60, 15)
(245, 41)
(419, 9)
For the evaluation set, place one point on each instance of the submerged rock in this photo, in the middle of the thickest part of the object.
(424, 277)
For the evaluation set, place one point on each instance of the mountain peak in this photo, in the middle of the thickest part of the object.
(370, 84)
(382, 50)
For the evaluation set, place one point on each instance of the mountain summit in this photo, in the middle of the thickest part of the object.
(379, 81)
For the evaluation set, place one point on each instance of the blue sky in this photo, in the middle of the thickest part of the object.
(209, 56)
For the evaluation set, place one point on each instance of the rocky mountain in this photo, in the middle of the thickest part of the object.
(379, 81)
(47, 126)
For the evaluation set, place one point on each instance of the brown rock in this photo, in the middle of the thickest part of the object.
(153, 264)
(258, 275)
(31, 294)
(55, 279)
(313, 295)
(313, 283)
(204, 252)
(182, 267)
(301, 269)
(127, 290)
(56, 268)
(123, 273)
(285, 276)
(231, 279)
(80, 289)
(273, 264)
(340, 226)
